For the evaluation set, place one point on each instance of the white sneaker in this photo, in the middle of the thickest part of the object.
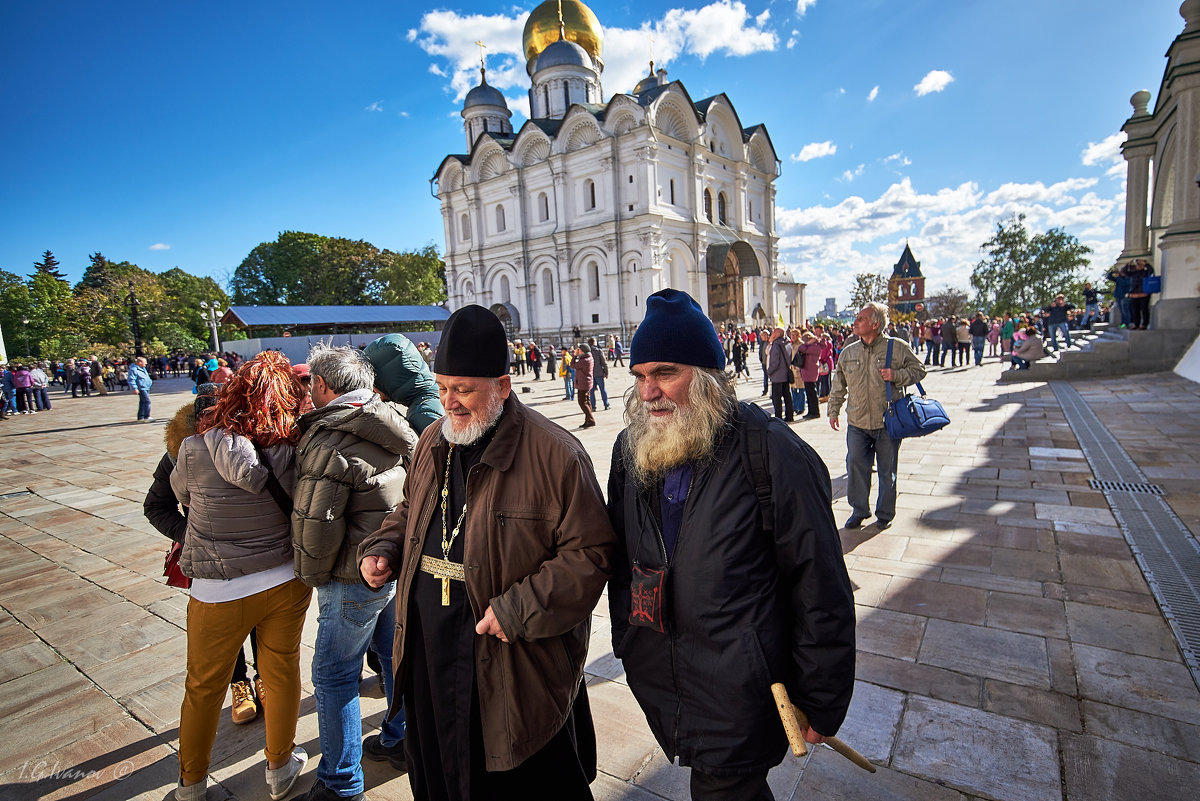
(280, 780)
(193, 792)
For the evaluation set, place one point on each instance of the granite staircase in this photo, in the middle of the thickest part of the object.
(1109, 351)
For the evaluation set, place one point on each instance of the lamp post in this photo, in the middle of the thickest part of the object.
(211, 314)
(25, 323)
(137, 326)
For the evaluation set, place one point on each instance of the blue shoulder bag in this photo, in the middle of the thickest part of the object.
(911, 415)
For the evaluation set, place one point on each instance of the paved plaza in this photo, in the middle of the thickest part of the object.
(1010, 647)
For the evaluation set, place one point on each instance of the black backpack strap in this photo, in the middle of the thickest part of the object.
(274, 487)
(754, 454)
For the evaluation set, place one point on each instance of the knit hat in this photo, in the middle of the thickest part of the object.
(473, 344)
(676, 330)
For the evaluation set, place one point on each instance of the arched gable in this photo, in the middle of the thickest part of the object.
(725, 132)
(622, 115)
(672, 119)
(760, 153)
(490, 162)
(578, 133)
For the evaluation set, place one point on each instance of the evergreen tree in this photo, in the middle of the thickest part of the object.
(49, 266)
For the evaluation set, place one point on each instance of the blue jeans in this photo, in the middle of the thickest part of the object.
(863, 447)
(1054, 329)
(598, 383)
(569, 384)
(1123, 307)
(948, 347)
(1091, 311)
(350, 617)
(143, 404)
(798, 399)
(977, 346)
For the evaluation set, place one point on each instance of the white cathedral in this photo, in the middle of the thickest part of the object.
(573, 220)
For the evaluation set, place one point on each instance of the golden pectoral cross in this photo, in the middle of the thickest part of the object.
(445, 570)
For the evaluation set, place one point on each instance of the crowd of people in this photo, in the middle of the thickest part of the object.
(461, 539)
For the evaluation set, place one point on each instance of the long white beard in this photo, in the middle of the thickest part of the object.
(654, 445)
(479, 425)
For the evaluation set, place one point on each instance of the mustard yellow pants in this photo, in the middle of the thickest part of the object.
(215, 633)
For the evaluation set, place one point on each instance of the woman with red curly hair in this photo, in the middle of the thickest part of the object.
(236, 475)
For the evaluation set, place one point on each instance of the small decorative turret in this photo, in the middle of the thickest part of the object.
(485, 109)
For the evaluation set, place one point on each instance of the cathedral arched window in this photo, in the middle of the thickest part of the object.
(465, 227)
(543, 207)
(566, 95)
(708, 205)
(589, 194)
(547, 287)
(504, 290)
(593, 280)
(721, 209)
(500, 218)
(672, 191)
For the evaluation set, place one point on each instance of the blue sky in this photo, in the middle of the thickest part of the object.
(185, 133)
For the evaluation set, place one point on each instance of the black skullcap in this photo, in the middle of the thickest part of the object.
(473, 344)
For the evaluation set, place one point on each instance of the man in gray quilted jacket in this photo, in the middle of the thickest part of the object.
(350, 465)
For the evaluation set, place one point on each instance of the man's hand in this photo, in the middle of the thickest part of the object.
(886, 373)
(489, 625)
(376, 570)
(833, 423)
(812, 736)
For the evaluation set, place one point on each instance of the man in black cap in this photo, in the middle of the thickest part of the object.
(728, 574)
(500, 551)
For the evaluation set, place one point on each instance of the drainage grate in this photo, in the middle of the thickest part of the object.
(1165, 550)
(8, 495)
(1125, 486)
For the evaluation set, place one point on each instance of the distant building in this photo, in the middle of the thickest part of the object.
(574, 219)
(830, 309)
(906, 287)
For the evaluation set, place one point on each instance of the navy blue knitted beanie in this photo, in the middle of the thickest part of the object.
(676, 330)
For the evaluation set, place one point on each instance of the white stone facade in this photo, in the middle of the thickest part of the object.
(1162, 216)
(573, 220)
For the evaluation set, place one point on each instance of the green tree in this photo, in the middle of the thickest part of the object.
(182, 294)
(49, 266)
(413, 277)
(1022, 272)
(868, 287)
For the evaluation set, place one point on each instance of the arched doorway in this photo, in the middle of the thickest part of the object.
(509, 317)
(727, 265)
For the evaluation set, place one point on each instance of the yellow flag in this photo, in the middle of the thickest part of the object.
(781, 323)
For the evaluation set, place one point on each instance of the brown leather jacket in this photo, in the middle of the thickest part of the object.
(537, 548)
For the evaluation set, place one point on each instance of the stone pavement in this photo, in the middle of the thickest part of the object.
(1009, 646)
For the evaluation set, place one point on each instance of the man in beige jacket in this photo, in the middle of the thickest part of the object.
(862, 374)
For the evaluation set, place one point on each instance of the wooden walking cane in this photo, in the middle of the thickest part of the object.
(794, 721)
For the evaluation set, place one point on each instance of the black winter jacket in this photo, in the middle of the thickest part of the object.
(742, 610)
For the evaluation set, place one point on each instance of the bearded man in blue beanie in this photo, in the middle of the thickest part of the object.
(728, 574)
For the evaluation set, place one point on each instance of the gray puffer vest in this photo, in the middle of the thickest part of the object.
(234, 527)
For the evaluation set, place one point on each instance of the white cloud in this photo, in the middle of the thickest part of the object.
(802, 6)
(376, 106)
(934, 81)
(814, 150)
(1108, 150)
(850, 175)
(404, 114)
(873, 94)
(793, 38)
(160, 246)
(841, 90)
(721, 27)
(899, 158)
(825, 245)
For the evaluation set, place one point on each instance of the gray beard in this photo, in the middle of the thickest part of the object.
(475, 430)
(654, 446)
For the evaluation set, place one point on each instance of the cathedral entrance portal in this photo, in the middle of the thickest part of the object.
(727, 265)
(509, 317)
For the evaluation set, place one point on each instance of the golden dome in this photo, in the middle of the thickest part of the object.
(581, 25)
